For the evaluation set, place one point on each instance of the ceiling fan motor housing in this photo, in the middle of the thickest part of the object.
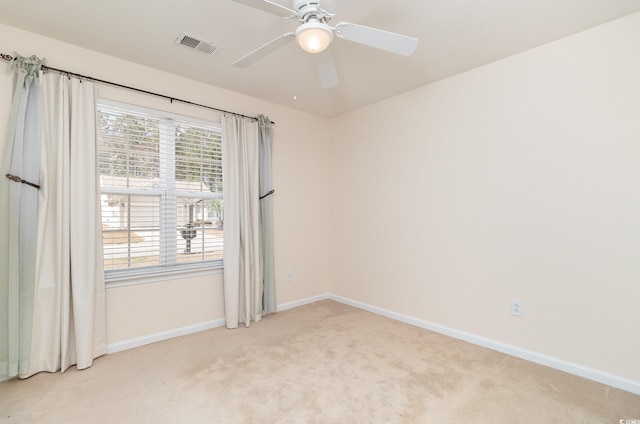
(308, 10)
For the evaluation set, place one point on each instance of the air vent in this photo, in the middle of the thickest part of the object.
(196, 43)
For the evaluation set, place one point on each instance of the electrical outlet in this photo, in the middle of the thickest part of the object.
(290, 276)
(516, 308)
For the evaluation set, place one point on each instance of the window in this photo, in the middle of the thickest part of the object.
(161, 191)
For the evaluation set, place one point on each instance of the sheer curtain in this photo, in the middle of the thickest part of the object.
(60, 310)
(242, 267)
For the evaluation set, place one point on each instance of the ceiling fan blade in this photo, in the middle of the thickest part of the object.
(380, 39)
(327, 69)
(263, 51)
(269, 6)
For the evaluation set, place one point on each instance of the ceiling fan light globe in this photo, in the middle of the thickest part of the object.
(314, 37)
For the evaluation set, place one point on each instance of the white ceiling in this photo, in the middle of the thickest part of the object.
(455, 36)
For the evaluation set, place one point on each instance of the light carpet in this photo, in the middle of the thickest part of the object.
(320, 363)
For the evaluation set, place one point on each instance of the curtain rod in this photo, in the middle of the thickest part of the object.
(9, 58)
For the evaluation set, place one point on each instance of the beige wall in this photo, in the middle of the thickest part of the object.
(517, 180)
(301, 179)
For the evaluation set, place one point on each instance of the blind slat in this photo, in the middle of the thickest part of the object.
(161, 183)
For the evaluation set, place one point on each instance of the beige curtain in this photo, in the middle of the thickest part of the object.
(69, 308)
(243, 287)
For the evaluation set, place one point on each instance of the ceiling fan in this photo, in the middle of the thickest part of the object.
(315, 35)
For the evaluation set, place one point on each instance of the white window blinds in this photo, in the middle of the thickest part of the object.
(161, 190)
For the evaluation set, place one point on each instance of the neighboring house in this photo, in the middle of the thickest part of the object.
(121, 211)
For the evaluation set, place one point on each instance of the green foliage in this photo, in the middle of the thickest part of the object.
(217, 206)
(199, 156)
(129, 146)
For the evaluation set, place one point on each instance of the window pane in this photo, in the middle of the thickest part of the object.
(129, 150)
(198, 159)
(200, 229)
(161, 183)
(130, 230)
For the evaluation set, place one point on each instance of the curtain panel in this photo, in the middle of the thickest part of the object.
(266, 216)
(51, 278)
(18, 216)
(243, 286)
(249, 281)
(69, 321)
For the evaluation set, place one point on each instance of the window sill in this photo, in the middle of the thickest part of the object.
(178, 274)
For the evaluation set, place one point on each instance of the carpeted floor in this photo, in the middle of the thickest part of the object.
(321, 363)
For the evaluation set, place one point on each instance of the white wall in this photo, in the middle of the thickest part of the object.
(519, 179)
(301, 179)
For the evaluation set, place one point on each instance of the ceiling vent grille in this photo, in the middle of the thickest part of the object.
(204, 46)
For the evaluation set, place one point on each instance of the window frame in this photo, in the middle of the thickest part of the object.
(168, 268)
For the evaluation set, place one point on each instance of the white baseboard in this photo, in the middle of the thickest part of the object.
(157, 337)
(558, 364)
(183, 331)
(302, 302)
(165, 335)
